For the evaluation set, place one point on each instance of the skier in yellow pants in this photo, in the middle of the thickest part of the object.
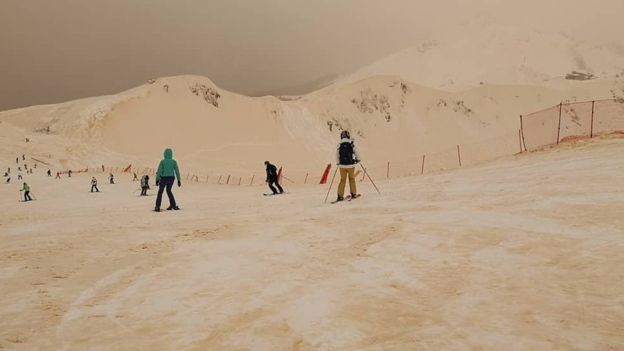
(347, 157)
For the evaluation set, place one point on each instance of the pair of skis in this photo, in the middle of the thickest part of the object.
(358, 195)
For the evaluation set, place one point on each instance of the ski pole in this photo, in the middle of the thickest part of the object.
(331, 184)
(369, 178)
(283, 176)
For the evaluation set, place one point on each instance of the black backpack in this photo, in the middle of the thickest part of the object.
(345, 153)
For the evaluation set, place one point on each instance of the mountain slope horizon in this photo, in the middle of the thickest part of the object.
(397, 108)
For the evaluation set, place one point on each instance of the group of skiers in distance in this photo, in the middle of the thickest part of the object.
(347, 157)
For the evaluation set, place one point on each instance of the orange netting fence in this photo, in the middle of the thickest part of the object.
(568, 121)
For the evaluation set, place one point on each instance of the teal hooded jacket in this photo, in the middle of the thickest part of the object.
(168, 167)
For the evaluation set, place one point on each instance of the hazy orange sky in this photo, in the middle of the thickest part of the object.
(52, 51)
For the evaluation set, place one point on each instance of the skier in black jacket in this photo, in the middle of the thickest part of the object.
(144, 185)
(346, 159)
(272, 178)
(94, 185)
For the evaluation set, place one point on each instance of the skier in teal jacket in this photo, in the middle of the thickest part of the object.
(166, 174)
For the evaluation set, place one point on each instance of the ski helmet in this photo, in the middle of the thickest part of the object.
(345, 134)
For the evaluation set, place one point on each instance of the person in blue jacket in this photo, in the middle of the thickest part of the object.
(166, 175)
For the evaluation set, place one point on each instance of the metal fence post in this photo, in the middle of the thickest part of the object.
(559, 127)
(458, 155)
(422, 169)
(388, 170)
(591, 131)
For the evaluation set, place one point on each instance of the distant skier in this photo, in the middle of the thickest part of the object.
(272, 178)
(94, 185)
(347, 157)
(58, 175)
(167, 172)
(135, 177)
(26, 190)
(19, 176)
(69, 173)
(144, 185)
(17, 160)
(19, 169)
(8, 180)
(111, 178)
(49, 173)
(24, 156)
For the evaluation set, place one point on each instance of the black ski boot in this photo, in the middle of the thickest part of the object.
(339, 198)
(175, 208)
(157, 209)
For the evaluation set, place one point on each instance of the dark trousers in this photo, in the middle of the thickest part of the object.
(165, 182)
(273, 183)
(27, 196)
(93, 186)
(144, 191)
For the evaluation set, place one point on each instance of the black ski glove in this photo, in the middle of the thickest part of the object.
(179, 183)
(157, 183)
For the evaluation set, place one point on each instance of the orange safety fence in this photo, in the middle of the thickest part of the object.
(569, 121)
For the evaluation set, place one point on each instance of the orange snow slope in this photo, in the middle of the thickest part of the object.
(398, 109)
(525, 253)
